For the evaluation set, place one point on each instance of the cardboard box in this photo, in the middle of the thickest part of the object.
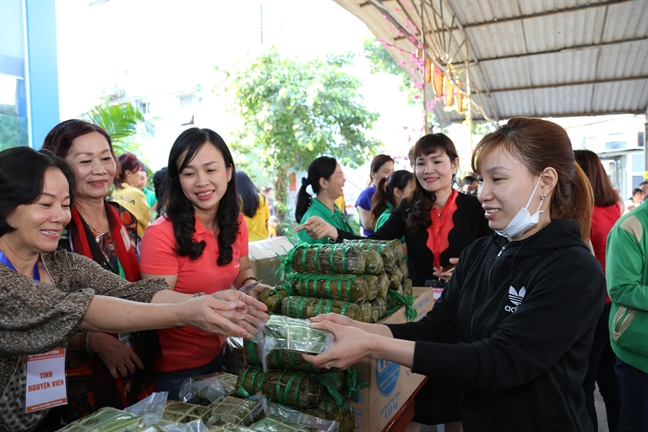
(264, 260)
(390, 384)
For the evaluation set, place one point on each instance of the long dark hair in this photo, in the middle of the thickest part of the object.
(421, 201)
(22, 179)
(248, 193)
(180, 210)
(59, 139)
(377, 163)
(385, 193)
(590, 163)
(540, 144)
(322, 167)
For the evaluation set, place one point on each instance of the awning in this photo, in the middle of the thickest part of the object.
(539, 58)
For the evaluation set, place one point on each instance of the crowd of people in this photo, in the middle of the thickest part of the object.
(543, 280)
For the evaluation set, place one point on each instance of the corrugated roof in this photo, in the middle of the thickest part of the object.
(543, 58)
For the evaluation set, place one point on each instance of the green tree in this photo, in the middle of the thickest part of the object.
(121, 121)
(295, 111)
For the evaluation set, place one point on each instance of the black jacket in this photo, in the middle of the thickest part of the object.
(524, 314)
(469, 225)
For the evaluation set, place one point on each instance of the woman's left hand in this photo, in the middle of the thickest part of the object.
(351, 346)
(254, 292)
(255, 309)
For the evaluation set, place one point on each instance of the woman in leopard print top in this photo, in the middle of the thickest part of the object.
(47, 296)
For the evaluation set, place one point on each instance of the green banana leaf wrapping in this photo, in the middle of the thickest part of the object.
(180, 412)
(236, 411)
(382, 285)
(395, 278)
(284, 359)
(330, 411)
(296, 389)
(308, 307)
(293, 388)
(375, 283)
(341, 287)
(407, 286)
(277, 424)
(394, 281)
(327, 259)
(351, 288)
(367, 312)
(379, 309)
(402, 266)
(273, 295)
(391, 251)
(396, 299)
(105, 420)
(250, 381)
(282, 332)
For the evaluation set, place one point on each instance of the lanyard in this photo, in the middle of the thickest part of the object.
(4, 260)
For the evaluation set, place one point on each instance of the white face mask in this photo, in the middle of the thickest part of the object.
(522, 220)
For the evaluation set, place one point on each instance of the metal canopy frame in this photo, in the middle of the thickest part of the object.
(540, 58)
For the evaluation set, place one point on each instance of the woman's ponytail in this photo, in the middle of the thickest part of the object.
(304, 200)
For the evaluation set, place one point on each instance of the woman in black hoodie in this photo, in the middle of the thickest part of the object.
(523, 303)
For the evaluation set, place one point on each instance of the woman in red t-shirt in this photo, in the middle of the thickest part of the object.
(200, 247)
(607, 209)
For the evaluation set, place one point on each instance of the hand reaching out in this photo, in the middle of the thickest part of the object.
(317, 228)
(351, 346)
(254, 309)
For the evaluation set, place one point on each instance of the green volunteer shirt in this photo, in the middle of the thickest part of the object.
(335, 218)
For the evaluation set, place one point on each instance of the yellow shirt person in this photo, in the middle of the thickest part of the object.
(258, 224)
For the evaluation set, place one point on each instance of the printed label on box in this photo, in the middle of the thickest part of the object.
(386, 376)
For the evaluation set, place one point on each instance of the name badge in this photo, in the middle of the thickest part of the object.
(45, 380)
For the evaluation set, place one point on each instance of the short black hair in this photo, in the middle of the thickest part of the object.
(643, 182)
(22, 178)
(468, 180)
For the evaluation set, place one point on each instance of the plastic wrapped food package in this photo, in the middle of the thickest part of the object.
(278, 424)
(277, 359)
(231, 410)
(287, 413)
(281, 332)
(210, 387)
(106, 419)
(327, 409)
(180, 412)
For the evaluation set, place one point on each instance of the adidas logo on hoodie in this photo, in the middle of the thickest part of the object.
(516, 298)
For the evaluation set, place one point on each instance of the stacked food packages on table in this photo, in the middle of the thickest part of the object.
(278, 390)
(364, 280)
